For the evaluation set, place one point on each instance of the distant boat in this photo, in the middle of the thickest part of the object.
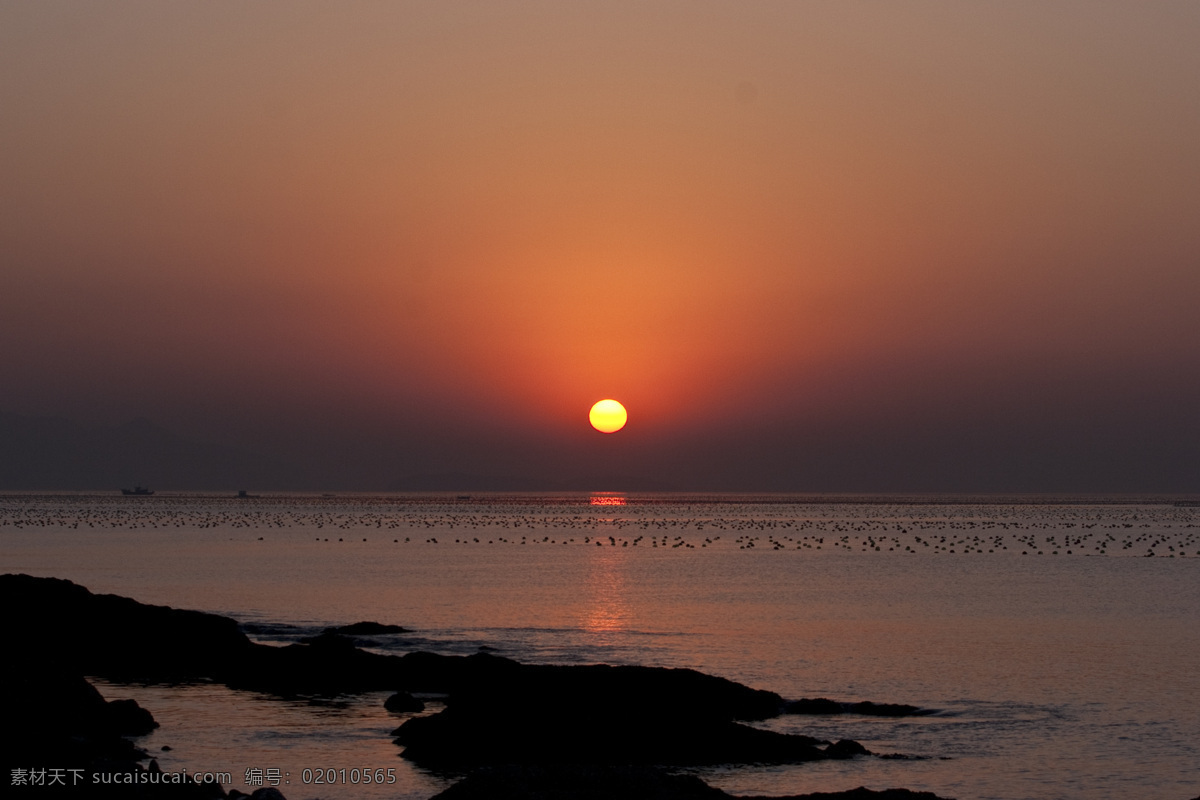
(244, 495)
(138, 491)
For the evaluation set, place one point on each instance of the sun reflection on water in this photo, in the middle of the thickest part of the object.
(606, 609)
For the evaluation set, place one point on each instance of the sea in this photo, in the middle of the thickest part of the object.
(1054, 642)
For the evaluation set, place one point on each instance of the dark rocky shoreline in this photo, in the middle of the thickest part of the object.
(512, 730)
(516, 782)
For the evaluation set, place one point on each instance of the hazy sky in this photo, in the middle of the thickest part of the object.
(809, 245)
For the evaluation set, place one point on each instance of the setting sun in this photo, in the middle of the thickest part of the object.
(608, 416)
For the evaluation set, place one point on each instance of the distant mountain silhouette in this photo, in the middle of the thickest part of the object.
(55, 453)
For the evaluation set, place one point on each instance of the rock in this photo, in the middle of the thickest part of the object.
(846, 748)
(508, 713)
(59, 622)
(493, 681)
(329, 667)
(457, 739)
(53, 718)
(48, 710)
(403, 702)
(579, 783)
(265, 793)
(498, 712)
(62, 624)
(861, 793)
(127, 718)
(818, 705)
(513, 782)
(329, 639)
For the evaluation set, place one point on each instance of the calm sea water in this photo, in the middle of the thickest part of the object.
(1058, 642)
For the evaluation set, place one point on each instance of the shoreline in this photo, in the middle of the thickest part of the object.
(595, 723)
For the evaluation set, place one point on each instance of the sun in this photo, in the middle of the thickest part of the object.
(608, 416)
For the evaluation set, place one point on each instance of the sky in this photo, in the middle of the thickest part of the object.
(819, 246)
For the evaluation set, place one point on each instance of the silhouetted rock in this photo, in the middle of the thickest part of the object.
(846, 748)
(265, 793)
(492, 682)
(403, 702)
(329, 639)
(329, 666)
(127, 718)
(512, 782)
(431, 672)
(49, 709)
(458, 739)
(55, 719)
(861, 793)
(510, 713)
(60, 623)
(817, 705)
(498, 712)
(56, 622)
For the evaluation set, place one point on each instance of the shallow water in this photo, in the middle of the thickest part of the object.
(1064, 672)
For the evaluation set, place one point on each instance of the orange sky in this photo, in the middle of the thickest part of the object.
(796, 226)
